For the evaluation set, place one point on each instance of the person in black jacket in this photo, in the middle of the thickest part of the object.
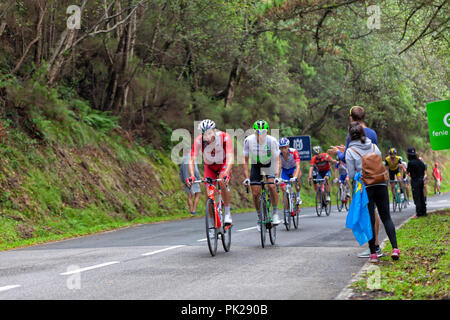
(416, 169)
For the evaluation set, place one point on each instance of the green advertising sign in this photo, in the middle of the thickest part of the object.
(439, 124)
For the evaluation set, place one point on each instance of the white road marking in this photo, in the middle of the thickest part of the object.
(90, 268)
(8, 288)
(202, 240)
(162, 250)
(247, 229)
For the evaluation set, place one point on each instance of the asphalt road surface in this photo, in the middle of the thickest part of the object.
(171, 260)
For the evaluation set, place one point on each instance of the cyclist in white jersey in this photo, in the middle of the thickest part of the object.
(263, 152)
(289, 166)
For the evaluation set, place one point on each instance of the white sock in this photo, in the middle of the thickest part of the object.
(227, 209)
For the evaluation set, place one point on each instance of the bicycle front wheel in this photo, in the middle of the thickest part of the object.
(319, 202)
(263, 208)
(211, 230)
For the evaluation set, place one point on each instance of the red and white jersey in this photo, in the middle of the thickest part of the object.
(322, 161)
(293, 158)
(214, 153)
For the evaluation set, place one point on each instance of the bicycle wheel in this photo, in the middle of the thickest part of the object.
(272, 233)
(394, 201)
(211, 230)
(263, 208)
(319, 202)
(347, 202)
(328, 205)
(226, 237)
(339, 199)
(287, 211)
(296, 214)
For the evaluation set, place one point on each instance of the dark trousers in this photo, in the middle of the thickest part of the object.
(418, 196)
(379, 196)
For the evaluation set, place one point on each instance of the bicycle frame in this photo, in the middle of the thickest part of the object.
(211, 191)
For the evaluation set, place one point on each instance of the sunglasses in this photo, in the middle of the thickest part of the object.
(261, 131)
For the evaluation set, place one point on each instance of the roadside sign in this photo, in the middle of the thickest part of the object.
(303, 146)
(438, 114)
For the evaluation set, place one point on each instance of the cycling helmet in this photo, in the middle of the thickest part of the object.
(392, 151)
(317, 150)
(206, 125)
(261, 126)
(284, 142)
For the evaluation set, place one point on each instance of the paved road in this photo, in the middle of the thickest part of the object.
(171, 261)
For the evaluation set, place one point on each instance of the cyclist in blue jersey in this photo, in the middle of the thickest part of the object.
(289, 166)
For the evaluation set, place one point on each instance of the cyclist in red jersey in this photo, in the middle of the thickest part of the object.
(218, 155)
(322, 161)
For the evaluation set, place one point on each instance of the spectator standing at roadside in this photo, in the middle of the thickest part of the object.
(377, 193)
(416, 170)
(358, 114)
(425, 179)
(193, 193)
(437, 179)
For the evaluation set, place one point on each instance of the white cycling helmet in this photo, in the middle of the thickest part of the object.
(206, 125)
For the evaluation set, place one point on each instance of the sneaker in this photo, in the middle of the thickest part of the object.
(328, 199)
(395, 254)
(276, 219)
(227, 219)
(365, 254)
(379, 252)
(212, 233)
(299, 201)
(258, 226)
(194, 213)
(373, 258)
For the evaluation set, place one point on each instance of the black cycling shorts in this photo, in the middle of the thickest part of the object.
(255, 173)
(393, 174)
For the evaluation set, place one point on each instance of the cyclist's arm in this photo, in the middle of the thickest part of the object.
(311, 168)
(278, 167)
(245, 166)
(229, 154)
(298, 170)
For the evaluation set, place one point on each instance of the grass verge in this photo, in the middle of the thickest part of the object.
(422, 273)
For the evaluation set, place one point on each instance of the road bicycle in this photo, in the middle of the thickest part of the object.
(342, 196)
(397, 201)
(214, 217)
(321, 200)
(266, 224)
(290, 205)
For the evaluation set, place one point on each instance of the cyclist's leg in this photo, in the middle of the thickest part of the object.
(256, 177)
(391, 178)
(225, 194)
(273, 199)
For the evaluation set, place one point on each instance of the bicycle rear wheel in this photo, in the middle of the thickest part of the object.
(272, 233)
(296, 217)
(287, 211)
(263, 208)
(339, 199)
(226, 236)
(296, 212)
(211, 230)
(328, 205)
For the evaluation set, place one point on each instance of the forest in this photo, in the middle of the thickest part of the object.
(112, 79)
